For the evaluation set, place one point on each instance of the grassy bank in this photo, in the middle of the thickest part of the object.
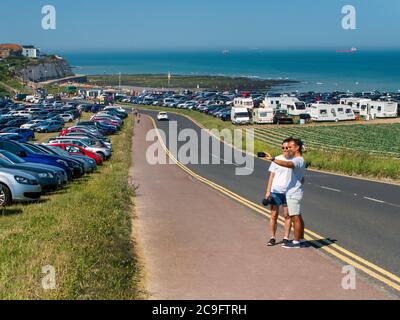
(182, 81)
(349, 162)
(84, 231)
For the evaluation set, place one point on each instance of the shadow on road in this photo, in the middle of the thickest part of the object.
(319, 243)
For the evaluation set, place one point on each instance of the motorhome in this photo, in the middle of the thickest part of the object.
(379, 109)
(330, 112)
(263, 115)
(292, 105)
(240, 115)
(243, 103)
(355, 103)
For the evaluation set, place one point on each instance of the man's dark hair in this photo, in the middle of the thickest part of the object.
(287, 140)
(297, 142)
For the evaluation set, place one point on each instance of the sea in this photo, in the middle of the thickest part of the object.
(319, 71)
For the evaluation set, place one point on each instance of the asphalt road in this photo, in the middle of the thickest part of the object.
(359, 215)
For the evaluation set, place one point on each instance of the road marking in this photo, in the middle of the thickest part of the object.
(344, 255)
(375, 200)
(331, 189)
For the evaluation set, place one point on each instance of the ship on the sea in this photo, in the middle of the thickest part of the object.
(352, 50)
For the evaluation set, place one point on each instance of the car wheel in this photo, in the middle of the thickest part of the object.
(5, 196)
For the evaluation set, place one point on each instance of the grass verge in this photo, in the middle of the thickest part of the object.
(83, 231)
(352, 163)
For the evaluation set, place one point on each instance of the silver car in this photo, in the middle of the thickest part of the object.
(18, 186)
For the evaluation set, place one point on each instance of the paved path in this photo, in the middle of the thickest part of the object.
(199, 244)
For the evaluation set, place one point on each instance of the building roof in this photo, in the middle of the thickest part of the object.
(10, 46)
(29, 47)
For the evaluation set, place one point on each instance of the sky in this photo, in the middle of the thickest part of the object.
(134, 25)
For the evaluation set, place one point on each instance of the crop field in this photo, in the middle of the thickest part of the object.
(379, 139)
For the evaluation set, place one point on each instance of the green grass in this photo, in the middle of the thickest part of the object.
(84, 231)
(380, 138)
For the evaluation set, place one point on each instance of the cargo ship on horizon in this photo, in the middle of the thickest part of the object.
(352, 50)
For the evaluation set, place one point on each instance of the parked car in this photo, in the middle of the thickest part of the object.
(49, 126)
(18, 186)
(48, 179)
(104, 153)
(27, 133)
(89, 163)
(12, 158)
(13, 137)
(77, 150)
(30, 156)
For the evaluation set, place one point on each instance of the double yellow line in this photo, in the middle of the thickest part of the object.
(317, 240)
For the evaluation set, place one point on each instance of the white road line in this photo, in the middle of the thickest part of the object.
(375, 200)
(331, 189)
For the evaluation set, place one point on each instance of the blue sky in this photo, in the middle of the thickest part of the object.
(200, 24)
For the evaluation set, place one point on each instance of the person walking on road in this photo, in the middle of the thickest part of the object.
(276, 191)
(295, 189)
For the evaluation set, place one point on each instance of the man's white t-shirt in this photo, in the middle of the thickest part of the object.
(296, 187)
(282, 176)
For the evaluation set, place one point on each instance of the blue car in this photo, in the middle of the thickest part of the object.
(13, 137)
(27, 133)
(30, 156)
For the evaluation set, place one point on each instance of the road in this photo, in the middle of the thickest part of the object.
(359, 215)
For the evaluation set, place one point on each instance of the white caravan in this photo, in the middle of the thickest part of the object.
(243, 103)
(292, 105)
(379, 109)
(263, 115)
(355, 103)
(240, 116)
(330, 112)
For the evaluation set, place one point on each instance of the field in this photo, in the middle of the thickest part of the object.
(376, 139)
(83, 231)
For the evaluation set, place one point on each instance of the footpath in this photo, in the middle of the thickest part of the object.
(198, 244)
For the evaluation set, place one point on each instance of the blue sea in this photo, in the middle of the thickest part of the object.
(320, 71)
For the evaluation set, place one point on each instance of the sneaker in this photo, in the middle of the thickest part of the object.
(292, 245)
(285, 242)
(271, 242)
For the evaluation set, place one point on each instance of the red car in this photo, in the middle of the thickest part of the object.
(77, 150)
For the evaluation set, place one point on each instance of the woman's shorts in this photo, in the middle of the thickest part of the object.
(278, 199)
(294, 205)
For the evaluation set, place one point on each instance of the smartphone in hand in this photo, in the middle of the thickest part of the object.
(261, 154)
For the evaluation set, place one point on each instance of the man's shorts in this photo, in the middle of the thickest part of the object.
(278, 199)
(294, 205)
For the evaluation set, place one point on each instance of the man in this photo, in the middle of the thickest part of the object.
(295, 189)
(276, 190)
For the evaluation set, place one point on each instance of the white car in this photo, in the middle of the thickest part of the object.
(17, 185)
(67, 117)
(162, 116)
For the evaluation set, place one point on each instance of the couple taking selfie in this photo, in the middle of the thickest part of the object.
(285, 189)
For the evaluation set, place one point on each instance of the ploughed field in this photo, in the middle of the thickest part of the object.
(379, 139)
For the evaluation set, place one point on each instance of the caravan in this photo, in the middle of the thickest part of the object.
(292, 105)
(241, 102)
(263, 115)
(355, 103)
(330, 112)
(379, 109)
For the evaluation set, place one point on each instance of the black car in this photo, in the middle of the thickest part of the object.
(281, 117)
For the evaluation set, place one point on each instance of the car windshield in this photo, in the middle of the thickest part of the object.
(59, 151)
(11, 157)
